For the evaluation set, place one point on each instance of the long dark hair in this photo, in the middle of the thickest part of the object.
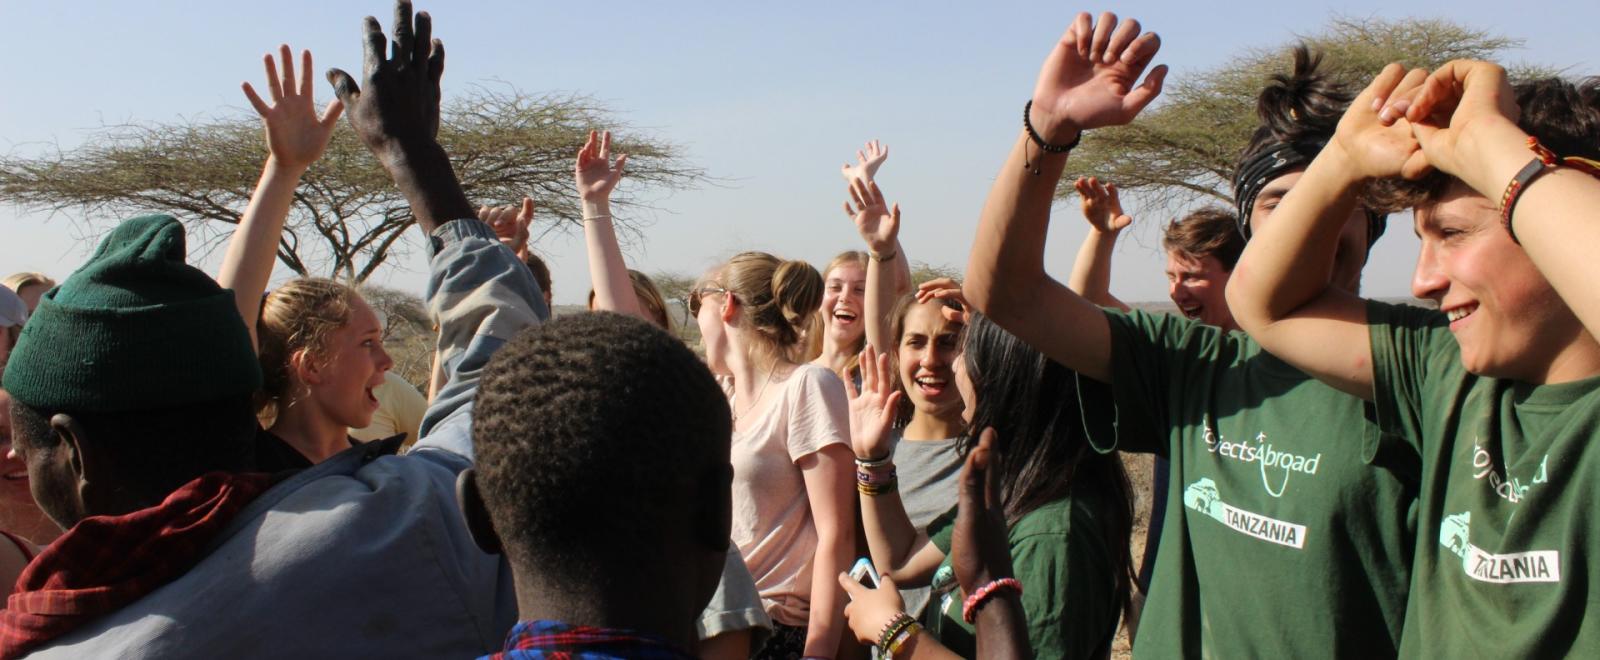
(1031, 402)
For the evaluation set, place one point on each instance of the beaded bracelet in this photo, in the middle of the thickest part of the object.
(1039, 139)
(896, 623)
(969, 609)
(900, 640)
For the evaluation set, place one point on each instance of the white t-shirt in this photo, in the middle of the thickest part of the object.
(772, 522)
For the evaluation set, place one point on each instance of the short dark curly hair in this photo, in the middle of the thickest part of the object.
(592, 432)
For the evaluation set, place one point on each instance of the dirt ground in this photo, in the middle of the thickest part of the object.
(1139, 468)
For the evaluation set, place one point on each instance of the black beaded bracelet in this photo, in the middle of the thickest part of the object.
(1039, 140)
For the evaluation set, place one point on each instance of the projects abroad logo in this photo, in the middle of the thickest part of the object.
(1276, 466)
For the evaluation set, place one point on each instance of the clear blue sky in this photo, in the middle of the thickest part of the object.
(768, 97)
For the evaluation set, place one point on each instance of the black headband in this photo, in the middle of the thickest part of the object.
(1272, 162)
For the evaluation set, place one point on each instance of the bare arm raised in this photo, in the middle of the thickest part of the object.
(596, 177)
(1280, 292)
(1090, 80)
(1091, 272)
(296, 137)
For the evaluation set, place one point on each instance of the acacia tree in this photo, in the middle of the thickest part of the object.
(1186, 147)
(348, 219)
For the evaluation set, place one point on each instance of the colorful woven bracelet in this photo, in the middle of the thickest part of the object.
(872, 478)
(969, 609)
(875, 490)
(1544, 160)
(893, 627)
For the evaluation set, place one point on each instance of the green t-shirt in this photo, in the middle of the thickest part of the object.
(1283, 538)
(1059, 555)
(1493, 580)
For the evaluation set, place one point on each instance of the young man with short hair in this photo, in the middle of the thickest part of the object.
(615, 519)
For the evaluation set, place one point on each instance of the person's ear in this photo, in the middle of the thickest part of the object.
(728, 307)
(476, 515)
(89, 472)
(305, 367)
(713, 521)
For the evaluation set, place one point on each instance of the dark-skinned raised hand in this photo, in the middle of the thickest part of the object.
(394, 109)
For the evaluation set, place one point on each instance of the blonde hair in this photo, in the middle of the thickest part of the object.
(651, 302)
(298, 316)
(16, 281)
(779, 297)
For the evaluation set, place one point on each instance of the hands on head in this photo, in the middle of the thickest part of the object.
(868, 160)
(296, 135)
(1101, 205)
(510, 224)
(878, 223)
(596, 175)
(944, 288)
(1091, 79)
(1450, 112)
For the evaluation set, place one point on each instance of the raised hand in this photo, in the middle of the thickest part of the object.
(868, 160)
(980, 550)
(1089, 80)
(397, 103)
(594, 172)
(1101, 206)
(510, 224)
(874, 408)
(879, 224)
(1375, 148)
(296, 136)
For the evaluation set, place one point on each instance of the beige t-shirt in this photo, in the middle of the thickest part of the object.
(772, 522)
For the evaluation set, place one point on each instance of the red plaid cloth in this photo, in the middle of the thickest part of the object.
(106, 562)
(554, 640)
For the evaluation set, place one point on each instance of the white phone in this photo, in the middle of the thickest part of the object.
(864, 574)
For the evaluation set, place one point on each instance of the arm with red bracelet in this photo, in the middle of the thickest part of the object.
(980, 555)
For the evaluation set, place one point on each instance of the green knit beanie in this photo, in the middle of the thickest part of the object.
(135, 328)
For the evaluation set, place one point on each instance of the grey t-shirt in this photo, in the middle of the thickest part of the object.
(929, 473)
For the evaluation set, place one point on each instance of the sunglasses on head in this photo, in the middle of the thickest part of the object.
(695, 295)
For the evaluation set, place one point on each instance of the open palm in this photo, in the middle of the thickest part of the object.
(296, 135)
(878, 223)
(873, 408)
(1091, 79)
(595, 173)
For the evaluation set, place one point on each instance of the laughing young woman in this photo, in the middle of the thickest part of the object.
(845, 326)
(793, 515)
